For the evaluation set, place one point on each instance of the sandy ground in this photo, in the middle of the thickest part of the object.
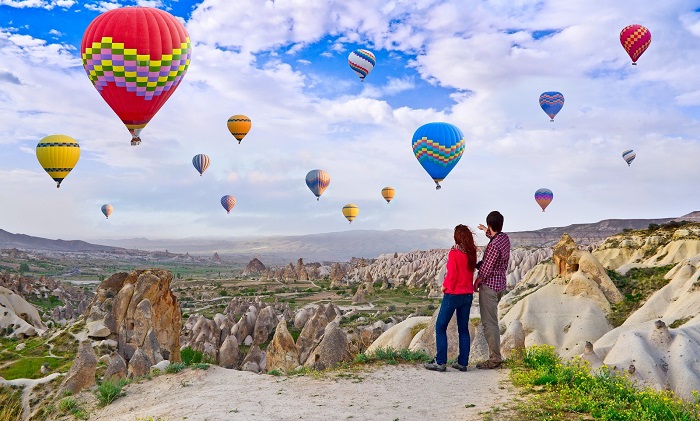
(404, 392)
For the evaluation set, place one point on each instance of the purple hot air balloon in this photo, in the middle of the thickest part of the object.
(544, 198)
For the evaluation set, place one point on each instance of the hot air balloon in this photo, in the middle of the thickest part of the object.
(136, 58)
(629, 156)
(107, 210)
(388, 194)
(239, 126)
(350, 211)
(635, 39)
(58, 155)
(317, 180)
(362, 62)
(544, 198)
(228, 202)
(201, 163)
(438, 147)
(551, 103)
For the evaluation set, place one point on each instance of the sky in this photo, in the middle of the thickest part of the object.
(480, 65)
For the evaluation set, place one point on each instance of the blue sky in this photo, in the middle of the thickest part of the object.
(480, 65)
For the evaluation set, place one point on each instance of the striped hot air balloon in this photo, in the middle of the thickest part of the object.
(317, 181)
(239, 126)
(362, 62)
(228, 202)
(544, 198)
(58, 154)
(350, 212)
(438, 148)
(635, 39)
(551, 102)
(201, 163)
(629, 156)
(388, 194)
(107, 210)
(136, 58)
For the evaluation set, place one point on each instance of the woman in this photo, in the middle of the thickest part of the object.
(458, 288)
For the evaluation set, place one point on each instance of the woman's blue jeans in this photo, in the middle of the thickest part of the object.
(461, 303)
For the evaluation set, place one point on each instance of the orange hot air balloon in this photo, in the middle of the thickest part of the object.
(388, 194)
(239, 126)
(136, 58)
(635, 39)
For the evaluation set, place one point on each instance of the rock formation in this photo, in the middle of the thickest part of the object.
(18, 318)
(82, 373)
(254, 267)
(331, 350)
(282, 353)
(400, 335)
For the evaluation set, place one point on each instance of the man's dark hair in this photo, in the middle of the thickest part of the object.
(495, 221)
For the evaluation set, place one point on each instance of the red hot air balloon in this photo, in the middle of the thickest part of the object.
(635, 39)
(136, 58)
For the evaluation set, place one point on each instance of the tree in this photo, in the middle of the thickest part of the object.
(23, 267)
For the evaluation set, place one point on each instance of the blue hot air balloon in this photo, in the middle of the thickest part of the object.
(551, 103)
(438, 148)
(629, 156)
(544, 197)
(200, 162)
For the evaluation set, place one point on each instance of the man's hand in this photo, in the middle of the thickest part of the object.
(482, 227)
(477, 282)
(442, 288)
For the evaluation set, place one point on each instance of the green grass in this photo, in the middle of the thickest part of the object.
(10, 404)
(46, 303)
(557, 390)
(176, 367)
(108, 392)
(30, 368)
(392, 356)
(636, 287)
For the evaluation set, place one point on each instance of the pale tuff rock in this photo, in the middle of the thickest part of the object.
(17, 315)
(302, 316)
(139, 364)
(254, 361)
(161, 366)
(282, 353)
(97, 329)
(590, 355)
(567, 311)
(400, 335)
(264, 325)
(313, 330)
(82, 373)
(479, 350)
(539, 276)
(337, 274)
(427, 340)
(332, 349)
(228, 354)
(300, 270)
(254, 267)
(359, 297)
(513, 341)
(116, 367)
(662, 358)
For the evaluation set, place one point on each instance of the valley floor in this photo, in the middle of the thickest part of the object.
(402, 392)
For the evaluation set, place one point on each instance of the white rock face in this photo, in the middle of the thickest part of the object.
(655, 249)
(399, 336)
(20, 316)
(419, 269)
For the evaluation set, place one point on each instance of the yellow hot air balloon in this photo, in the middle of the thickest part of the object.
(388, 193)
(350, 211)
(58, 154)
(239, 126)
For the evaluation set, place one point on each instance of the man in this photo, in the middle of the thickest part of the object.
(491, 283)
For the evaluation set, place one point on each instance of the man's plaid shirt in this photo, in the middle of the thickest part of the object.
(494, 266)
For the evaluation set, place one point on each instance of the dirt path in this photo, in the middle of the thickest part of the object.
(405, 392)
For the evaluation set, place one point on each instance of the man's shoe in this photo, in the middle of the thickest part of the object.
(433, 365)
(459, 367)
(488, 365)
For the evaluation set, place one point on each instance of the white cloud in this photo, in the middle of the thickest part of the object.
(43, 4)
(102, 6)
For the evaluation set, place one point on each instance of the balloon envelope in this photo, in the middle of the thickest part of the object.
(544, 198)
(438, 148)
(200, 162)
(317, 181)
(551, 103)
(635, 39)
(629, 156)
(136, 58)
(239, 126)
(362, 62)
(228, 202)
(107, 210)
(350, 211)
(388, 193)
(58, 154)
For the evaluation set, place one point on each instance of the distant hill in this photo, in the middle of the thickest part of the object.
(27, 242)
(334, 246)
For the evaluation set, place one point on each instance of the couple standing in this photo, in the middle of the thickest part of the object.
(459, 286)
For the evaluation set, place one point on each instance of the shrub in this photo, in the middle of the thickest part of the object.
(191, 356)
(392, 356)
(175, 367)
(108, 392)
(10, 404)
